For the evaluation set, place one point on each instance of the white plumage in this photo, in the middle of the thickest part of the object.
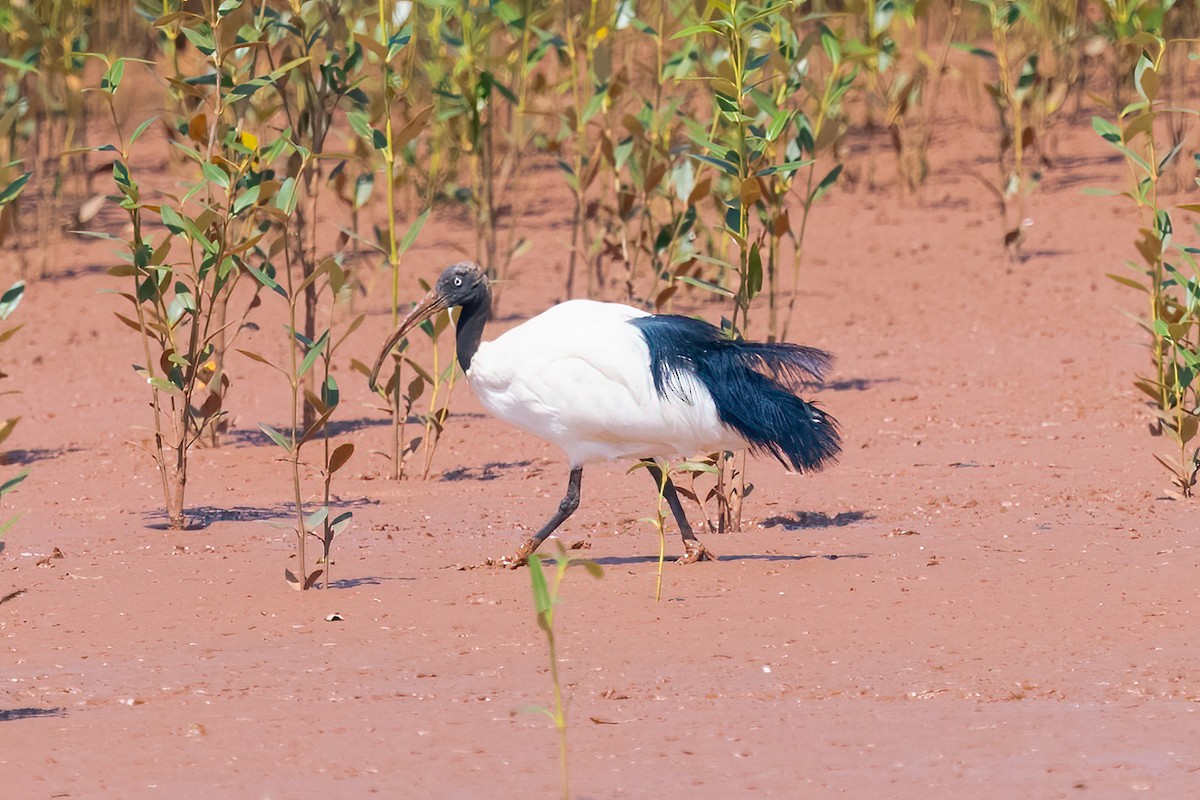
(578, 375)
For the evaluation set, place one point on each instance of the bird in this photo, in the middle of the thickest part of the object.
(608, 381)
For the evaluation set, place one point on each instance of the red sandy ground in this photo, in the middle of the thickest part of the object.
(989, 596)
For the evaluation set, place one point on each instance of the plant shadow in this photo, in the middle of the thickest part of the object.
(13, 714)
(488, 472)
(254, 437)
(612, 561)
(857, 384)
(808, 520)
(26, 457)
(202, 517)
(366, 580)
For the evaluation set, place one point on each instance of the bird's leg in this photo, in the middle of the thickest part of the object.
(693, 551)
(566, 508)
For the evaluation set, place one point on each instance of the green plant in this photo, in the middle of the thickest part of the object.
(1168, 274)
(545, 599)
(663, 471)
(1123, 22)
(8, 303)
(486, 55)
(43, 110)
(904, 69)
(387, 141)
(312, 56)
(1026, 100)
(178, 300)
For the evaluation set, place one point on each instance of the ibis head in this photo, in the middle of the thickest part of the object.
(464, 285)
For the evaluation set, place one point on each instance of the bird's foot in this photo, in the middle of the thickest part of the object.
(693, 551)
(519, 558)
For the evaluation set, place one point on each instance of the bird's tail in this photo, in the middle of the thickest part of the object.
(753, 385)
(754, 388)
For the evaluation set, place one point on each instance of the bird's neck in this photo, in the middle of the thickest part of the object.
(469, 331)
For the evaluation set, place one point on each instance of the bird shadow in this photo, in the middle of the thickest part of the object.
(13, 714)
(808, 520)
(616, 561)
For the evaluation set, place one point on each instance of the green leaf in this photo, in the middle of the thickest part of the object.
(313, 354)
(705, 285)
(13, 189)
(788, 167)
(163, 385)
(275, 436)
(974, 50)
(316, 519)
(825, 183)
(7, 427)
(754, 273)
(340, 522)
(112, 76)
(11, 299)
(693, 31)
(20, 66)
(216, 175)
(250, 87)
(246, 200)
(720, 163)
(201, 37)
(266, 280)
(542, 602)
(1130, 282)
(696, 466)
(9, 484)
(285, 198)
(1106, 129)
(413, 231)
(175, 221)
(831, 45)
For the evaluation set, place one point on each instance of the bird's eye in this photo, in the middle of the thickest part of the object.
(457, 281)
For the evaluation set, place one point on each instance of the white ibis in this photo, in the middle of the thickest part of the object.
(605, 381)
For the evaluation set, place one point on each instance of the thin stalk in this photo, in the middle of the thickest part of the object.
(659, 523)
(294, 382)
(389, 159)
(560, 714)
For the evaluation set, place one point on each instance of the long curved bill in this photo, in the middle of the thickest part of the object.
(431, 304)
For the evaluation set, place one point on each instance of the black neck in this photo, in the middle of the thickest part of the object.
(469, 331)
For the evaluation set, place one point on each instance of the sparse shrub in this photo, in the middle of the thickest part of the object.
(1167, 275)
(545, 598)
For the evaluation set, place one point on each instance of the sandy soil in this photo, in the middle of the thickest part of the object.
(989, 596)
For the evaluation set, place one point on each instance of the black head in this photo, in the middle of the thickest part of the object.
(462, 284)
